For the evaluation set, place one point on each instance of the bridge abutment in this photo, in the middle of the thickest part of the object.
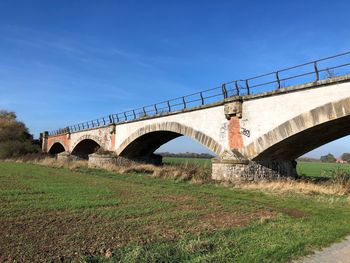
(63, 157)
(97, 160)
(235, 168)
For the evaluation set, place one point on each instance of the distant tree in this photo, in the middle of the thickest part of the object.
(346, 157)
(308, 159)
(187, 155)
(15, 139)
(329, 158)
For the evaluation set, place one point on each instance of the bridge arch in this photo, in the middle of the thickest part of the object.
(86, 145)
(303, 133)
(56, 147)
(149, 138)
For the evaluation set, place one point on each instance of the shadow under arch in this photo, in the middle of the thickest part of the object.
(56, 147)
(84, 148)
(303, 133)
(146, 140)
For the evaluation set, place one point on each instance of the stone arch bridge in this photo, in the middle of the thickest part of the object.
(253, 136)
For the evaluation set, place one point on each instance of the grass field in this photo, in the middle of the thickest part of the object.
(59, 214)
(317, 169)
(303, 168)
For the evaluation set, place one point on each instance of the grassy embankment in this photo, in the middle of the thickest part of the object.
(56, 213)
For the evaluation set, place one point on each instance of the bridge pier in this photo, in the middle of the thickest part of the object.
(234, 167)
(63, 157)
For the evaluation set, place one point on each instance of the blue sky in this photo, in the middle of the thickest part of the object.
(63, 62)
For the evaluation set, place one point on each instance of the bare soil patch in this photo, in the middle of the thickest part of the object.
(65, 234)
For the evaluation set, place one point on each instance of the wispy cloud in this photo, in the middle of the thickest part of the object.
(82, 50)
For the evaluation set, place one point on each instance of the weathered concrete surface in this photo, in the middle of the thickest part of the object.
(103, 136)
(64, 157)
(264, 112)
(253, 171)
(268, 130)
(101, 160)
(150, 137)
(235, 167)
(336, 253)
(303, 133)
(203, 125)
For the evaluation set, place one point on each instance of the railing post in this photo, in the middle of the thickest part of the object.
(98, 123)
(93, 125)
(133, 111)
(126, 118)
(184, 102)
(202, 99)
(104, 121)
(278, 81)
(316, 71)
(224, 91)
(237, 88)
(247, 86)
(169, 106)
(144, 111)
(155, 107)
(117, 117)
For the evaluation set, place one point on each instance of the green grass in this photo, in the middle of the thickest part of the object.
(316, 169)
(58, 214)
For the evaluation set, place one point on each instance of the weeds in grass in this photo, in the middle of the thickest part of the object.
(330, 187)
(199, 245)
(185, 172)
(340, 178)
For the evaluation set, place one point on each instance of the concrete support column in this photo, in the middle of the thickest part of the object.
(97, 160)
(63, 157)
(235, 168)
(44, 140)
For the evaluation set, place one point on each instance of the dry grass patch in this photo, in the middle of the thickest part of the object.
(297, 186)
(226, 220)
(185, 172)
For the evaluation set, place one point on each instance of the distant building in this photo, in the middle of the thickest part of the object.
(339, 160)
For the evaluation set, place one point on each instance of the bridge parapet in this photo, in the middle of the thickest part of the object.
(277, 80)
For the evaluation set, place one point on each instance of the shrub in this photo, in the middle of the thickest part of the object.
(15, 139)
(339, 177)
(15, 148)
(329, 158)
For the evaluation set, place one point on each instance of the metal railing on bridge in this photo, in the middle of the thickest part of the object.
(316, 70)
